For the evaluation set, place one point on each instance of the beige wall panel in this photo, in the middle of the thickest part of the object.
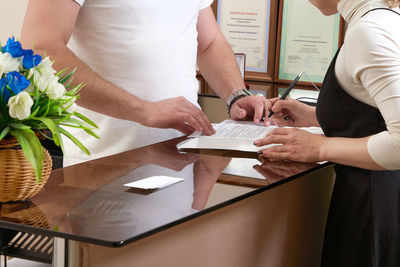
(11, 18)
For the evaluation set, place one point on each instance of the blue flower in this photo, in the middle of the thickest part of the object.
(4, 92)
(30, 60)
(16, 82)
(13, 47)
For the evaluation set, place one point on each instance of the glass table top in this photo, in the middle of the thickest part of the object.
(89, 202)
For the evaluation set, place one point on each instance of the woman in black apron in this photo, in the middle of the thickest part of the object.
(363, 227)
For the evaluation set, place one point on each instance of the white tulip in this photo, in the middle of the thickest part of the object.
(8, 63)
(46, 67)
(20, 106)
(33, 72)
(55, 89)
(48, 82)
(42, 81)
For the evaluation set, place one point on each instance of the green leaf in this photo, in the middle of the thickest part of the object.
(65, 78)
(44, 134)
(61, 72)
(53, 129)
(74, 140)
(32, 148)
(21, 126)
(33, 114)
(68, 83)
(62, 145)
(47, 109)
(85, 119)
(33, 124)
(90, 132)
(87, 130)
(78, 123)
(4, 132)
(57, 119)
(75, 90)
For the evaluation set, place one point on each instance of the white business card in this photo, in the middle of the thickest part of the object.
(154, 182)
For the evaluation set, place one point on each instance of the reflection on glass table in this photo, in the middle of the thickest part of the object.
(89, 202)
(275, 171)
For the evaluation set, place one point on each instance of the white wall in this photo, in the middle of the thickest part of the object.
(11, 18)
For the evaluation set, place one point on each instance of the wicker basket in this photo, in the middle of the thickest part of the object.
(17, 177)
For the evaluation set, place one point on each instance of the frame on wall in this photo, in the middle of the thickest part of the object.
(302, 44)
(261, 88)
(260, 59)
(241, 61)
(305, 94)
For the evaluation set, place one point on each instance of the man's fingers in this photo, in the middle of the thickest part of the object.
(267, 109)
(258, 112)
(197, 123)
(197, 119)
(237, 113)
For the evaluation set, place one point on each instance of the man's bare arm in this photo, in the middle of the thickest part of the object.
(218, 65)
(48, 26)
(215, 56)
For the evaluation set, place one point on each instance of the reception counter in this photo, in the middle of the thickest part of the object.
(209, 219)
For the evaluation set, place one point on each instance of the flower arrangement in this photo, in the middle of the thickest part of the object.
(35, 101)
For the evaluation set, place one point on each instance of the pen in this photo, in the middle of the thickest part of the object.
(285, 94)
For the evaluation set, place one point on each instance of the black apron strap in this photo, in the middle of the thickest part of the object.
(378, 8)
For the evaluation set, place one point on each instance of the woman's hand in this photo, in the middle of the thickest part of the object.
(290, 112)
(293, 145)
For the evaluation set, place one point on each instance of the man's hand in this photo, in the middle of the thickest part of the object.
(251, 107)
(177, 113)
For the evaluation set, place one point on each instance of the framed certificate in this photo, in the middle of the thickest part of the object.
(307, 41)
(249, 26)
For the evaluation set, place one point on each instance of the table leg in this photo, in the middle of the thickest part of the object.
(60, 251)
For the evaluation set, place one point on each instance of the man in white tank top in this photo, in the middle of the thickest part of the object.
(138, 60)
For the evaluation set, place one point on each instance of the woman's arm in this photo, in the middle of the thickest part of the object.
(370, 72)
(302, 146)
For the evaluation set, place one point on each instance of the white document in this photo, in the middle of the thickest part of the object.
(234, 135)
(154, 182)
